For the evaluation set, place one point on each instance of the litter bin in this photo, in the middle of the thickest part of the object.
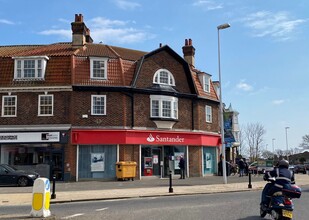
(126, 170)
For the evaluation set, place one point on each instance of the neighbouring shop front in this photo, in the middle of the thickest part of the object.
(96, 162)
(42, 152)
(157, 153)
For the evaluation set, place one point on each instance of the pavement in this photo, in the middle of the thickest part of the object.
(146, 187)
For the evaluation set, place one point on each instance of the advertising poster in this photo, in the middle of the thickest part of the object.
(155, 159)
(177, 159)
(208, 160)
(148, 162)
(97, 162)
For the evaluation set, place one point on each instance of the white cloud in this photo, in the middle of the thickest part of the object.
(108, 31)
(116, 31)
(208, 4)
(4, 21)
(126, 5)
(67, 34)
(242, 85)
(278, 25)
(278, 102)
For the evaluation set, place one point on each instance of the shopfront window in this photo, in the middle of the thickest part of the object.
(209, 160)
(97, 161)
(46, 159)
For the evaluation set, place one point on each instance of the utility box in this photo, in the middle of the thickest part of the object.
(126, 170)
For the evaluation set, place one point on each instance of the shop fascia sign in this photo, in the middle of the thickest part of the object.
(164, 139)
(24, 137)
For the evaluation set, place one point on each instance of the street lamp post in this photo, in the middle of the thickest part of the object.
(273, 140)
(221, 27)
(287, 145)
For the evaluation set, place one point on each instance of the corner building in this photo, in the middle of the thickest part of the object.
(108, 104)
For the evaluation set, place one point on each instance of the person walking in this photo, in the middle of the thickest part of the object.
(241, 165)
(182, 167)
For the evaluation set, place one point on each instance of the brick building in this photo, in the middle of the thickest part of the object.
(74, 109)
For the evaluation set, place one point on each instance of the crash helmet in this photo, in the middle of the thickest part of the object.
(284, 163)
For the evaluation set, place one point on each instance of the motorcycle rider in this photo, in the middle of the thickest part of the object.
(282, 176)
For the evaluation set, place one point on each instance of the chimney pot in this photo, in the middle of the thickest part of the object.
(189, 52)
(80, 32)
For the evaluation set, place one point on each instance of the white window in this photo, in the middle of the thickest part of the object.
(9, 106)
(206, 83)
(30, 68)
(163, 107)
(208, 111)
(46, 105)
(98, 105)
(98, 68)
(165, 77)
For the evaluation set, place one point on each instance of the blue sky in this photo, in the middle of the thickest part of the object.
(264, 54)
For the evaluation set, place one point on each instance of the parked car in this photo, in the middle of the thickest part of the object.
(9, 175)
(306, 166)
(255, 168)
(291, 167)
(300, 168)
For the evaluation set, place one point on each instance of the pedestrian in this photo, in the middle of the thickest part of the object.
(241, 165)
(182, 167)
(246, 171)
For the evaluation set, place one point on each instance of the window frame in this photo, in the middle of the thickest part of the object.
(206, 83)
(47, 105)
(158, 77)
(14, 106)
(99, 59)
(20, 67)
(92, 104)
(162, 101)
(208, 114)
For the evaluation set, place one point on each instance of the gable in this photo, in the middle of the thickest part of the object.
(164, 58)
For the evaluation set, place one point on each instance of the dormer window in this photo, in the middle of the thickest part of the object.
(98, 68)
(165, 77)
(30, 68)
(206, 83)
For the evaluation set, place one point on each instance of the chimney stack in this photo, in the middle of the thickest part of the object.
(189, 52)
(80, 32)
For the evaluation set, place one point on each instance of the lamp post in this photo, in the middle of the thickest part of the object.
(286, 140)
(273, 140)
(221, 27)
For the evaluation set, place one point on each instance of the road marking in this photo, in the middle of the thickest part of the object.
(101, 209)
(73, 216)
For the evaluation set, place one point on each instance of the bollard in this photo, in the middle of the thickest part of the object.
(171, 187)
(250, 185)
(53, 195)
(40, 198)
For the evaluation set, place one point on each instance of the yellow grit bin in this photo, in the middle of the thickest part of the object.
(40, 198)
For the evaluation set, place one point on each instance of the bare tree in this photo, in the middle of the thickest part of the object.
(254, 133)
(305, 143)
(266, 154)
(280, 153)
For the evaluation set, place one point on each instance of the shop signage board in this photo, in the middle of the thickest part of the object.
(27, 137)
(143, 137)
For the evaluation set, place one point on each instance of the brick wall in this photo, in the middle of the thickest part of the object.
(118, 110)
(27, 109)
(130, 153)
(195, 161)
